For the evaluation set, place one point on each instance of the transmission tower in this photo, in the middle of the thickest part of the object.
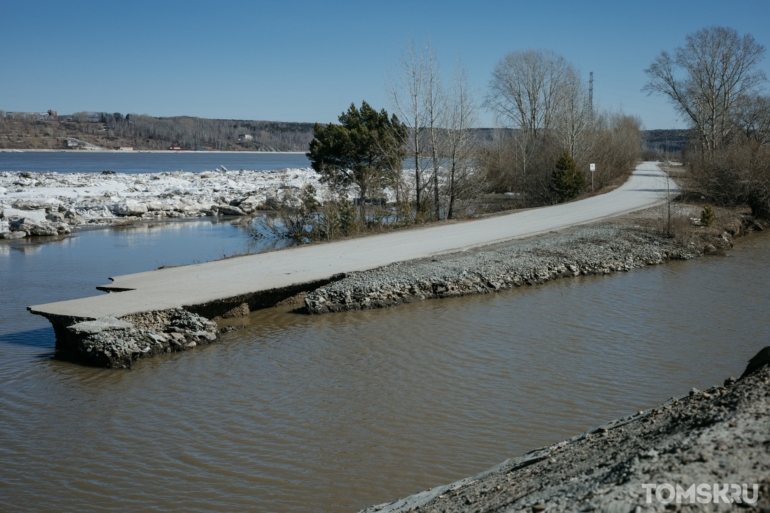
(591, 91)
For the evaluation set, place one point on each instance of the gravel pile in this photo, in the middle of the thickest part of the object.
(715, 440)
(585, 251)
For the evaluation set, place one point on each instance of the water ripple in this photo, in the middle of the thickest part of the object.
(332, 413)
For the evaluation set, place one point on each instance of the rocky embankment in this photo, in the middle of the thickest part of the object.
(706, 451)
(48, 204)
(116, 343)
(585, 251)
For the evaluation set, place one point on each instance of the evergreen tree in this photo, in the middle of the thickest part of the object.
(566, 180)
(707, 216)
(365, 149)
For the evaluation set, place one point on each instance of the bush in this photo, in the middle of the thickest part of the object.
(302, 218)
(707, 216)
(736, 175)
(515, 163)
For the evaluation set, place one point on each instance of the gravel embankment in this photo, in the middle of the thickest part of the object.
(711, 439)
(585, 251)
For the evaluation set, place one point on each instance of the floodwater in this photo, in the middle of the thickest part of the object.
(338, 412)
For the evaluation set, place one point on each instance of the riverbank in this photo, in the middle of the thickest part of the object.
(636, 241)
(51, 204)
(715, 440)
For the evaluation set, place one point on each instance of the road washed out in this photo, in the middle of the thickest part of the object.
(215, 288)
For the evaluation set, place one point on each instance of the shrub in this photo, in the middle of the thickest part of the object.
(736, 175)
(707, 216)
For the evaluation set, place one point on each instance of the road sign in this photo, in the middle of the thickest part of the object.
(592, 167)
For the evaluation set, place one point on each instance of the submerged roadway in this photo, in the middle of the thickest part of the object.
(204, 283)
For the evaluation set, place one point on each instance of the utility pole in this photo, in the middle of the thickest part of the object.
(591, 92)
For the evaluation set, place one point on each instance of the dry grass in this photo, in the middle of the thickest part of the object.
(685, 226)
(681, 224)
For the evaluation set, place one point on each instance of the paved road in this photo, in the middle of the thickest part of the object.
(203, 283)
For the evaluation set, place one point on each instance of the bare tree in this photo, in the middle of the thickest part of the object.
(418, 99)
(574, 116)
(525, 93)
(752, 117)
(706, 79)
(433, 100)
(406, 93)
(543, 101)
(460, 118)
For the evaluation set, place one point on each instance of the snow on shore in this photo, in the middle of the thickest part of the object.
(53, 203)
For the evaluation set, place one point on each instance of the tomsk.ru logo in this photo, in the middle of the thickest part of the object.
(703, 493)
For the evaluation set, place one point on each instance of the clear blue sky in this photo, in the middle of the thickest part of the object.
(308, 60)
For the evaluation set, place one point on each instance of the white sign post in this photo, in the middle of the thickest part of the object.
(592, 167)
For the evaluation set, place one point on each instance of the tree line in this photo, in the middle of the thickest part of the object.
(544, 102)
(715, 83)
(432, 156)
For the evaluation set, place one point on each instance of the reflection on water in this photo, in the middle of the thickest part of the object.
(48, 269)
(28, 248)
(336, 412)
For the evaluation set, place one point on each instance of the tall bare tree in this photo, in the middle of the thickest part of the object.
(434, 104)
(707, 78)
(460, 118)
(526, 92)
(542, 101)
(574, 116)
(406, 93)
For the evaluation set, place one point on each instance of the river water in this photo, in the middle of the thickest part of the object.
(337, 412)
(146, 162)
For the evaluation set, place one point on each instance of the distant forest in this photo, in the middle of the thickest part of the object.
(664, 142)
(142, 132)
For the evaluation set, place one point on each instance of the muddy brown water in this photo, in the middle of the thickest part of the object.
(337, 412)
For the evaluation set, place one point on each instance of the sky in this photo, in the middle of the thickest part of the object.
(309, 60)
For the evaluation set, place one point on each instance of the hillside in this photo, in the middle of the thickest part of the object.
(142, 132)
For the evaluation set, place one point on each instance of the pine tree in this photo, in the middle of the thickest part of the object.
(364, 150)
(567, 181)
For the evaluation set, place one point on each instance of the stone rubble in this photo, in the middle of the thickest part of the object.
(715, 439)
(116, 343)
